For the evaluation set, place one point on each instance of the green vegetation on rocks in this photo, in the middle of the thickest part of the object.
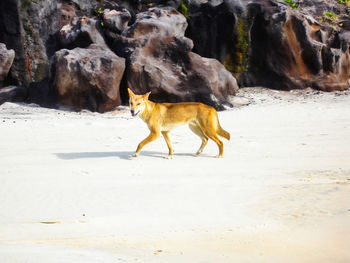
(237, 61)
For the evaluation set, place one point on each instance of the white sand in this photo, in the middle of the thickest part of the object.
(70, 193)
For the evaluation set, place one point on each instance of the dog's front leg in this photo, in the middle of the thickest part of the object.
(153, 135)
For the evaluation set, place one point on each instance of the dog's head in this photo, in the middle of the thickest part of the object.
(137, 103)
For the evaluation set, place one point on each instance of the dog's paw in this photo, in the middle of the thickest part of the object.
(168, 157)
(135, 155)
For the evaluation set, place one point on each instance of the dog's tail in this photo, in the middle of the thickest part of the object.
(223, 133)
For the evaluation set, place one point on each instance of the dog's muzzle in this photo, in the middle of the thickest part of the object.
(133, 113)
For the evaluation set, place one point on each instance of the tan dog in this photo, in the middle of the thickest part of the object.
(162, 117)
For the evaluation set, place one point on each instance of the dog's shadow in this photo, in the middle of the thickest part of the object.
(125, 155)
(93, 155)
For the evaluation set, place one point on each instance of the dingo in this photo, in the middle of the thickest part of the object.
(162, 117)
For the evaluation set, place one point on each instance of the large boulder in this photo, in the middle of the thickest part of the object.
(159, 59)
(6, 60)
(79, 32)
(166, 67)
(88, 78)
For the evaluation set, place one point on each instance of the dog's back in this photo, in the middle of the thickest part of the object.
(162, 117)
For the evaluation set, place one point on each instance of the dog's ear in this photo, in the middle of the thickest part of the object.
(145, 97)
(131, 94)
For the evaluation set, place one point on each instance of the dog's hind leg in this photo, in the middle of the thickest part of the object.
(168, 142)
(209, 127)
(198, 131)
(220, 144)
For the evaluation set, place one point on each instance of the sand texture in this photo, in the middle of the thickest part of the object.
(70, 192)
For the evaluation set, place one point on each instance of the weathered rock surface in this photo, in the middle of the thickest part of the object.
(159, 59)
(81, 32)
(267, 43)
(164, 22)
(6, 60)
(12, 93)
(11, 35)
(295, 50)
(215, 27)
(290, 50)
(116, 20)
(88, 78)
(261, 42)
(174, 74)
(30, 27)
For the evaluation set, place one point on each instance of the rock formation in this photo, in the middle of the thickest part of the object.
(292, 50)
(27, 27)
(268, 43)
(88, 78)
(159, 59)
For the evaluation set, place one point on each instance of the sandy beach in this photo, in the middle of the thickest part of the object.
(70, 192)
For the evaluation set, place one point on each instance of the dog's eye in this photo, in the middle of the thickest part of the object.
(138, 104)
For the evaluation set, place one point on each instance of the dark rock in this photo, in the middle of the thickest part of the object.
(88, 78)
(42, 93)
(116, 21)
(6, 60)
(25, 27)
(167, 68)
(291, 50)
(267, 43)
(11, 35)
(12, 93)
(85, 7)
(29, 27)
(164, 22)
(81, 32)
(214, 27)
(137, 6)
